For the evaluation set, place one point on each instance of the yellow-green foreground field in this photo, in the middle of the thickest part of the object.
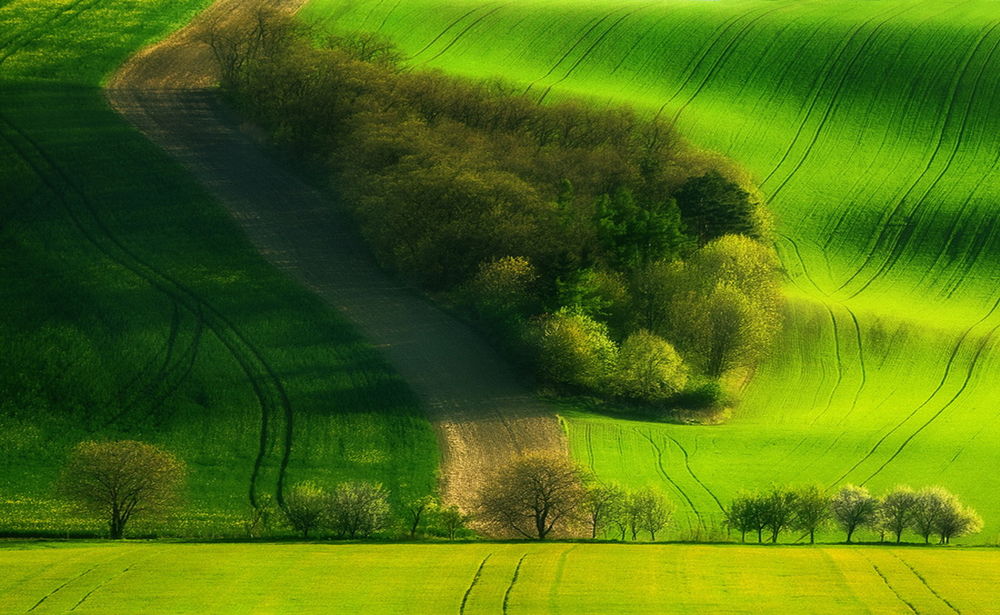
(479, 578)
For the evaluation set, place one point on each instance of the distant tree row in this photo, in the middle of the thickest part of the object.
(534, 496)
(594, 244)
(932, 510)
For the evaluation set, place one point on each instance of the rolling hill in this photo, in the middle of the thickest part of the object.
(869, 127)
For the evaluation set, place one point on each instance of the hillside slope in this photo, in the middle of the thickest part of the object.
(870, 127)
(482, 413)
(132, 305)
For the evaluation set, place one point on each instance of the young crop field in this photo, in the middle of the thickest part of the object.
(871, 130)
(493, 578)
(133, 307)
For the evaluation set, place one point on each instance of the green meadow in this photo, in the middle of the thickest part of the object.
(133, 307)
(493, 578)
(871, 130)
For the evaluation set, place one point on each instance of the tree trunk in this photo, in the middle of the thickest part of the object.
(850, 532)
(812, 537)
(760, 535)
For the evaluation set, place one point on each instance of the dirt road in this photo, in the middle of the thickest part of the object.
(482, 414)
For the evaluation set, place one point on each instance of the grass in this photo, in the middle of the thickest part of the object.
(480, 578)
(871, 129)
(133, 307)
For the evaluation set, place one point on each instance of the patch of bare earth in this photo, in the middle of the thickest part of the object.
(482, 413)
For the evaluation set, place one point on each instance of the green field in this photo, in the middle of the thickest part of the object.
(134, 307)
(493, 578)
(871, 129)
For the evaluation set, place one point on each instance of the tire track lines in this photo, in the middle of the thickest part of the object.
(921, 578)
(447, 29)
(663, 473)
(693, 65)
(885, 580)
(721, 60)
(687, 466)
(949, 365)
(99, 586)
(513, 580)
(861, 364)
(586, 31)
(600, 39)
(17, 41)
(988, 338)
(902, 237)
(825, 75)
(917, 212)
(463, 33)
(127, 395)
(839, 363)
(255, 367)
(831, 105)
(472, 585)
(58, 589)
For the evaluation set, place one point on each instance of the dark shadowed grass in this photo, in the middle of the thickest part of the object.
(133, 307)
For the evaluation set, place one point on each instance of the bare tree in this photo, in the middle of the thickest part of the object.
(306, 506)
(533, 494)
(121, 480)
(854, 507)
(358, 509)
(602, 505)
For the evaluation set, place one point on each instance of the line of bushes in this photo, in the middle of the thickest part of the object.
(594, 244)
(932, 510)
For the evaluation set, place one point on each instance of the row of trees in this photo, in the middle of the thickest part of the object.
(534, 496)
(929, 511)
(539, 494)
(594, 243)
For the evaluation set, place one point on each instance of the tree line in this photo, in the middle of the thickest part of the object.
(536, 496)
(596, 245)
(929, 511)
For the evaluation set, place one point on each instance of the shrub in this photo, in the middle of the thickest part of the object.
(358, 509)
(306, 507)
(575, 349)
(649, 368)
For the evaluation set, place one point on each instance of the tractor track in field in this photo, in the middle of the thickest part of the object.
(663, 472)
(901, 238)
(911, 220)
(723, 58)
(472, 585)
(924, 582)
(600, 39)
(889, 585)
(692, 66)
(831, 105)
(825, 75)
(461, 34)
(447, 29)
(23, 37)
(59, 588)
(513, 581)
(687, 466)
(586, 30)
(118, 252)
(482, 413)
(949, 365)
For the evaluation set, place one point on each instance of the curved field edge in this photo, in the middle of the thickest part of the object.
(871, 133)
(511, 577)
(136, 308)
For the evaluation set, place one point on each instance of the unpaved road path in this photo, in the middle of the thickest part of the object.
(482, 414)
